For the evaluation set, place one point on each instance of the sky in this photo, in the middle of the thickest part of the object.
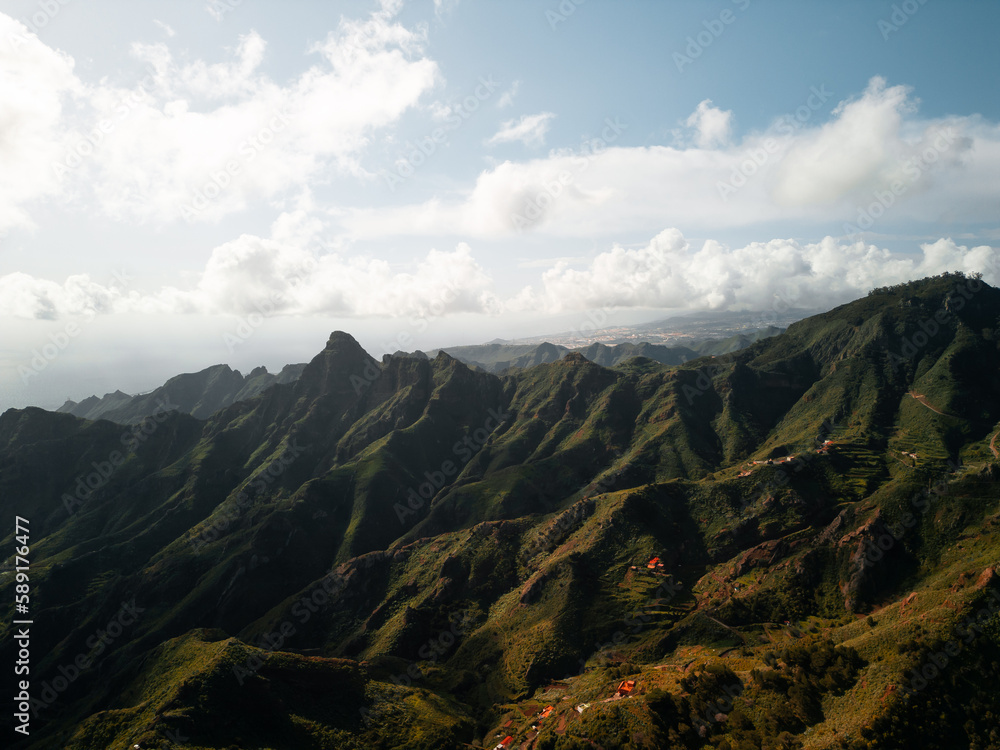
(192, 182)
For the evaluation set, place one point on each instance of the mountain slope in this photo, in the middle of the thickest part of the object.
(465, 539)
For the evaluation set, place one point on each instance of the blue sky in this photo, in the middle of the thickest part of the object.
(430, 173)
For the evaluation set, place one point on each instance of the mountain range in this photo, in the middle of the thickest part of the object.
(497, 357)
(792, 544)
(199, 394)
(205, 392)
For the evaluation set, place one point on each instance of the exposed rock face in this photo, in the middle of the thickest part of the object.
(763, 555)
(835, 527)
(559, 529)
(986, 578)
(864, 552)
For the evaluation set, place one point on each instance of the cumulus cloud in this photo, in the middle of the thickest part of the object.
(35, 84)
(233, 78)
(712, 125)
(195, 140)
(807, 166)
(669, 273)
(24, 296)
(284, 274)
(284, 277)
(860, 149)
(529, 129)
(261, 139)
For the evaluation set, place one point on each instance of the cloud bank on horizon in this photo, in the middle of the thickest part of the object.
(195, 143)
(282, 277)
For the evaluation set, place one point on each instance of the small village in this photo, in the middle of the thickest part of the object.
(626, 688)
(654, 566)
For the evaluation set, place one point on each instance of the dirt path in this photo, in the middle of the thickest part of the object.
(923, 399)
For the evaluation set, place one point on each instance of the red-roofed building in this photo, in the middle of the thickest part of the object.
(505, 743)
(625, 688)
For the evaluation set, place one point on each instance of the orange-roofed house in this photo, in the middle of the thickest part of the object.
(504, 743)
(652, 563)
(625, 688)
(547, 712)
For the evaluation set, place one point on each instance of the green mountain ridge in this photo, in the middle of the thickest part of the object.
(499, 357)
(203, 393)
(200, 394)
(418, 552)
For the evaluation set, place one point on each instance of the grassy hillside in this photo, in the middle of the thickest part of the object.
(419, 552)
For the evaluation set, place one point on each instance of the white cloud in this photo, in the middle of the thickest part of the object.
(507, 97)
(36, 83)
(712, 125)
(234, 78)
(24, 296)
(530, 130)
(198, 140)
(670, 273)
(285, 274)
(250, 272)
(218, 9)
(801, 170)
(861, 149)
(443, 6)
(167, 28)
